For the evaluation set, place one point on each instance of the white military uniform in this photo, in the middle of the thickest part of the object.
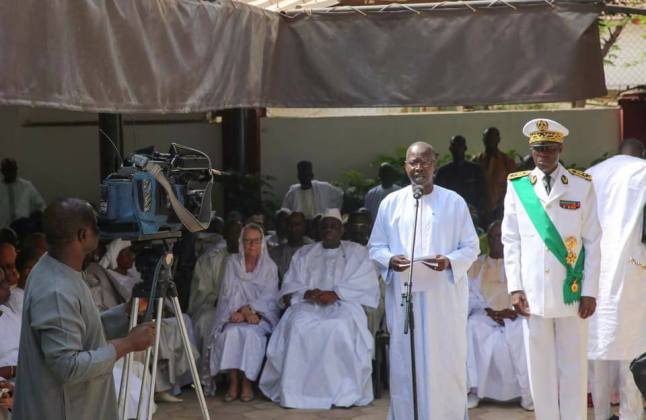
(555, 336)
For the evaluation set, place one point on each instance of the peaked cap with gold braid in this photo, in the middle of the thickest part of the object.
(545, 130)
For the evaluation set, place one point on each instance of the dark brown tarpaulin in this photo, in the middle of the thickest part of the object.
(184, 56)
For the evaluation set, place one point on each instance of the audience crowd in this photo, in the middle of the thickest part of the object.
(288, 304)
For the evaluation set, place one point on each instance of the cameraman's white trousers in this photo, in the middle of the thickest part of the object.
(630, 403)
(558, 366)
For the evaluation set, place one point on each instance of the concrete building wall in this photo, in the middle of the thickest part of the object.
(63, 160)
(339, 144)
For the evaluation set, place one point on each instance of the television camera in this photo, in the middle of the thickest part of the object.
(148, 201)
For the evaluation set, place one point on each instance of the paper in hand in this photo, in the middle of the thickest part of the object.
(424, 276)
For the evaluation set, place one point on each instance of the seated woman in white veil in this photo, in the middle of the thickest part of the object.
(246, 314)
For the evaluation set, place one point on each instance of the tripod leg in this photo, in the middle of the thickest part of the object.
(189, 356)
(158, 322)
(125, 372)
(154, 352)
(142, 390)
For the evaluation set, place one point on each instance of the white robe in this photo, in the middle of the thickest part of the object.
(617, 329)
(173, 370)
(205, 287)
(17, 298)
(9, 334)
(242, 346)
(496, 361)
(134, 387)
(320, 356)
(208, 241)
(9, 339)
(440, 315)
(26, 200)
(106, 291)
(326, 196)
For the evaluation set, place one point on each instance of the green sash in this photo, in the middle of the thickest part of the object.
(552, 239)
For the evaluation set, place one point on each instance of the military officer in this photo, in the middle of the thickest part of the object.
(551, 235)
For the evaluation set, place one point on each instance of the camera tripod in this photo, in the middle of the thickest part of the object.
(161, 287)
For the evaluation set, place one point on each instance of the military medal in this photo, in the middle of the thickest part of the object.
(570, 244)
(574, 287)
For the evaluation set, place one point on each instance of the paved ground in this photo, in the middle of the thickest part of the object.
(263, 409)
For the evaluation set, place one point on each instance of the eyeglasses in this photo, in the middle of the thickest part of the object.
(424, 164)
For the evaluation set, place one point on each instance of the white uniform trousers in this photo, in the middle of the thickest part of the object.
(630, 403)
(556, 351)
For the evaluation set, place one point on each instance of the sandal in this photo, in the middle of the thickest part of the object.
(247, 398)
(228, 397)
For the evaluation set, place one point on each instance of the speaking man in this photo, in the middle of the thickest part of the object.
(447, 238)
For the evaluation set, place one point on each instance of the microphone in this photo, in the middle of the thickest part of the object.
(418, 191)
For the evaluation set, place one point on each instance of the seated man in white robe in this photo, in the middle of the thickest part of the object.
(319, 355)
(10, 319)
(211, 238)
(173, 369)
(309, 196)
(246, 314)
(205, 285)
(496, 363)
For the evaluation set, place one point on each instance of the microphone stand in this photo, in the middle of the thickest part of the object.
(409, 320)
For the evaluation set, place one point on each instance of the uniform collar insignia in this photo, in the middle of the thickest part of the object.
(564, 179)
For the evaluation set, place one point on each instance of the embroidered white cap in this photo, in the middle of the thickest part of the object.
(333, 213)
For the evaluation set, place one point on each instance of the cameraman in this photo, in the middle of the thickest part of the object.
(64, 362)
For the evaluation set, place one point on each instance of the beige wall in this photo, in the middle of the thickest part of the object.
(64, 160)
(338, 144)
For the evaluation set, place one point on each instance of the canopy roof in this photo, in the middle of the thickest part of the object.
(188, 56)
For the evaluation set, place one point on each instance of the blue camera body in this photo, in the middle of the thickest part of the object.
(133, 204)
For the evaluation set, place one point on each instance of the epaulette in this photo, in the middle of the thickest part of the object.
(580, 174)
(515, 175)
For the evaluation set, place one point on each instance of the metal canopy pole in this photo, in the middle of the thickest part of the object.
(445, 5)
